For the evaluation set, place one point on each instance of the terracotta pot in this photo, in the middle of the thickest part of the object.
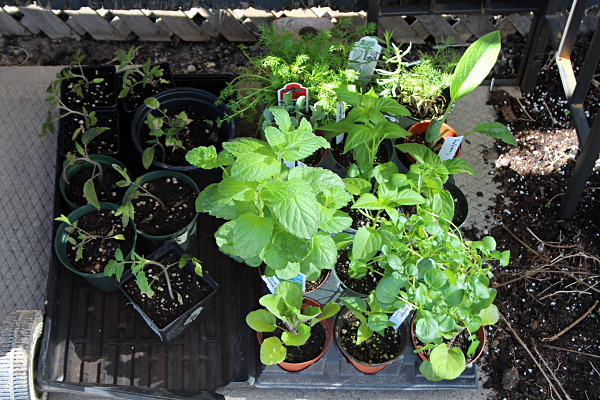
(421, 128)
(481, 335)
(360, 365)
(295, 367)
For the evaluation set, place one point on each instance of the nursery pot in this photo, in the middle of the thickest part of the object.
(129, 105)
(295, 367)
(184, 236)
(71, 170)
(461, 202)
(362, 366)
(420, 128)
(481, 335)
(98, 281)
(188, 318)
(107, 142)
(189, 100)
(347, 286)
(96, 95)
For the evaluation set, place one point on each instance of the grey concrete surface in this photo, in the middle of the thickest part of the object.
(26, 189)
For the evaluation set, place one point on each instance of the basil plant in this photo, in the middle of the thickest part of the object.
(275, 215)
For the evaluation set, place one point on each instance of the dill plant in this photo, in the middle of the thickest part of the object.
(317, 61)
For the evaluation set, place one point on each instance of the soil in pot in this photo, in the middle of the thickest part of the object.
(358, 219)
(138, 93)
(364, 285)
(199, 132)
(98, 252)
(345, 160)
(95, 95)
(314, 159)
(309, 286)
(375, 350)
(106, 188)
(309, 350)
(160, 308)
(105, 143)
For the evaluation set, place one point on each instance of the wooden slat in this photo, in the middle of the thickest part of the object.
(505, 27)
(299, 13)
(420, 31)
(439, 28)
(478, 24)
(229, 26)
(142, 26)
(211, 23)
(521, 23)
(463, 30)
(122, 31)
(48, 22)
(403, 33)
(78, 29)
(252, 18)
(94, 24)
(182, 26)
(9, 26)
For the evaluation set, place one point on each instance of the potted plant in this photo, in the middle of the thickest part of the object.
(470, 71)
(318, 62)
(138, 82)
(168, 288)
(293, 332)
(275, 215)
(175, 121)
(161, 203)
(88, 238)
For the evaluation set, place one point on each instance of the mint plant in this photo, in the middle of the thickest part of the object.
(82, 237)
(162, 125)
(144, 75)
(286, 305)
(276, 215)
(138, 264)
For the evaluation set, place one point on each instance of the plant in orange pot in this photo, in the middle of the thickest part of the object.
(294, 332)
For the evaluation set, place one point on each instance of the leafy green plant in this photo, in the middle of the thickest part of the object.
(135, 75)
(162, 125)
(297, 111)
(138, 265)
(416, 85)
(318, 61)
(79, 237)
(286, 305)
(276, 215)
(366, 125)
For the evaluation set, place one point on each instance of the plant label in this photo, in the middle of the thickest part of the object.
(364, 56)
(273, 281)
(400, 315)
(450, 147)
(294, 164)
(340, 112)
(297, 91)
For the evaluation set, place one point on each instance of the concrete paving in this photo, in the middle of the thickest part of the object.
(27, 162)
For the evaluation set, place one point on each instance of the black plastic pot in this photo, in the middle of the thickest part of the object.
(64, 136)
(128, 105)
(177, 100)
(332, 164)
(462, 201)
(190, 317)
(108, 73)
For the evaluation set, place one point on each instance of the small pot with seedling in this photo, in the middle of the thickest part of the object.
(168, 288)
(161, 203)
(89, 238)
(138, 82)
(293, 332)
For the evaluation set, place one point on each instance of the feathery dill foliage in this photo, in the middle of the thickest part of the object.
(418, 87)
(317, 61)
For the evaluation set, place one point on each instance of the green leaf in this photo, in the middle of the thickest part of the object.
(427, 329)
(427, 370)
(357, 186)
(497, 131)
(322, 251)
(364, 333)
(334, 221)
(454, 298)
(251, 235)
(281, 117)
(261, 321)
(290, 293)
(387, 290)
(89, 192)
(298, 214)
(489, 315)
(475, 64)
(391, 106)
(367, 242)
(435, 278)
(272, 351)
(457, 165)
(473, 347)
(447, 363)
(329, 310)
(368, 201)
(378, 321)
(207, 158)
(152, 103)
(342, 240)
(257, 166)
(407, 197)
(296, 339)
(148, 157)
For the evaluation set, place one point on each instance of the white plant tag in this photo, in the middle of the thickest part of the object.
(301, 164)
(340, 113)
(339, 138)
(290, 164)
(400, 315)
(364, 56)
(273, 281)
(450, 147)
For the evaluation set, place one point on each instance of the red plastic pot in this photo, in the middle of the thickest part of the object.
(420, 128)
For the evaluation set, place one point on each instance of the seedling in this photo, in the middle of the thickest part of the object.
(137, 75)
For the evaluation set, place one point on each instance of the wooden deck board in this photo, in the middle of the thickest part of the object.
(439, 28)
(142, 26)
(92, 23)
(9, 26)
(49, 23)
(403, 33)
(182, 26)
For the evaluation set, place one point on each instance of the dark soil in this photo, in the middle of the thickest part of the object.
(315, 158)
(358, 219)
(95, 95)
(199, 132)
(178, 198)
(312, 285)
(98, 252)
(375, 350)
(309, 350)
(140, 92)
(364, 285)
(345, 160)
(105, 143)
(105, 185)
(161, 308)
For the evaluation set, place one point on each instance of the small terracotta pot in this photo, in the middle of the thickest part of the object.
(481, 335)
(420, 128)
(295, 367)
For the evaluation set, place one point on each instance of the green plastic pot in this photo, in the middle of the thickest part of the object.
(98, 281)
(185, 236)
(71, 170)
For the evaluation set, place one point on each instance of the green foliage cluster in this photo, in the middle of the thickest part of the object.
(286, 305)
(276, 215)
(135, 75)
(317, 61)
